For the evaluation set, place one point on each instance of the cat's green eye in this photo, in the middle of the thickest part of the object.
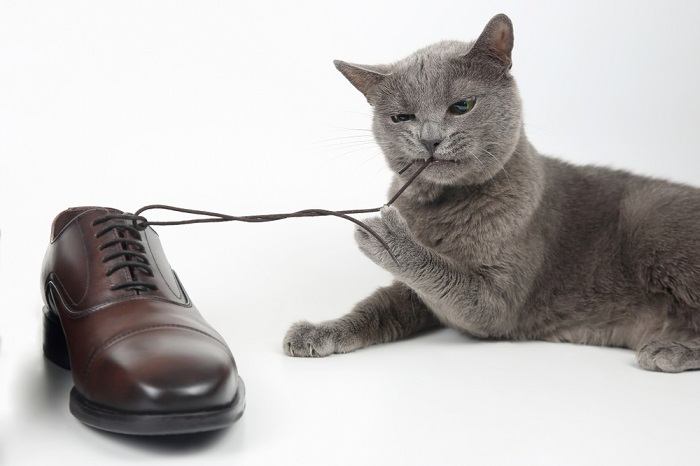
(402, 117)
(462, 107)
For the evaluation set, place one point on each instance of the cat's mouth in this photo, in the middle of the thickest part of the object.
(445, 165)
(446, 162)
(437, 161)
(438, 168)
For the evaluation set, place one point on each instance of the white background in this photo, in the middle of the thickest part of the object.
(236, 107)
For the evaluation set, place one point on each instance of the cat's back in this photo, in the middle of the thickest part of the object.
(594, 217)
(580, 202)
(599, 195)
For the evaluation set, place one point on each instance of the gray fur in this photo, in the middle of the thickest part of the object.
(501, 242)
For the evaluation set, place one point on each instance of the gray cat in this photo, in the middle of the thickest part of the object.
(501, 242)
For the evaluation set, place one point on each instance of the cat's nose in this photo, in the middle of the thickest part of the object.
(431, 144)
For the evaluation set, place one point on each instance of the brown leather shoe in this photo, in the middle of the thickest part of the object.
(143, 359)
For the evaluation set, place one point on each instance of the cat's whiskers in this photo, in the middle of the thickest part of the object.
(352, 136)
(355, 141)
(352, 129)
(355, 151)
(346, 144)
(476, 157)
(503, 166)
(358, 137)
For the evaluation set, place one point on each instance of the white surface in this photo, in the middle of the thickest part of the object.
(230, 107)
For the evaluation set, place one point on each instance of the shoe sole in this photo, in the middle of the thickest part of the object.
(132, 423)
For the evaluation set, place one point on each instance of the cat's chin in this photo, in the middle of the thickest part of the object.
(455, 178)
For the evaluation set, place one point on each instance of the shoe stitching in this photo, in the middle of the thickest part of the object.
(73, 314)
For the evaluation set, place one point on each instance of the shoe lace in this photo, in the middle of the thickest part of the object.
(140, 223)
(131, 254)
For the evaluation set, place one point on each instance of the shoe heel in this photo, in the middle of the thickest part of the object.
(55, 348)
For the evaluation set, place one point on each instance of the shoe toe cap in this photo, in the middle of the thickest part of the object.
(168, 370)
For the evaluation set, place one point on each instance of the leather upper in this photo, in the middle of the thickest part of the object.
(132, 349)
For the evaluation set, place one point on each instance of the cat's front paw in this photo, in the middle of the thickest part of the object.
(307, 340)
(394, 231)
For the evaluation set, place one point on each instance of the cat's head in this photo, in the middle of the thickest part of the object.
(453, 100)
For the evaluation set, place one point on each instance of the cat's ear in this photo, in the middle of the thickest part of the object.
(495, 42)
(365, 78)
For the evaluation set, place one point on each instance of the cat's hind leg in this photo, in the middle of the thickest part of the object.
(390, 313)
(670, 355)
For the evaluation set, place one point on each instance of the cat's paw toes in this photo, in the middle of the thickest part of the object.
(371, 246)
(666, 356)
(393, 230)
(307, 340)
(394, 221)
